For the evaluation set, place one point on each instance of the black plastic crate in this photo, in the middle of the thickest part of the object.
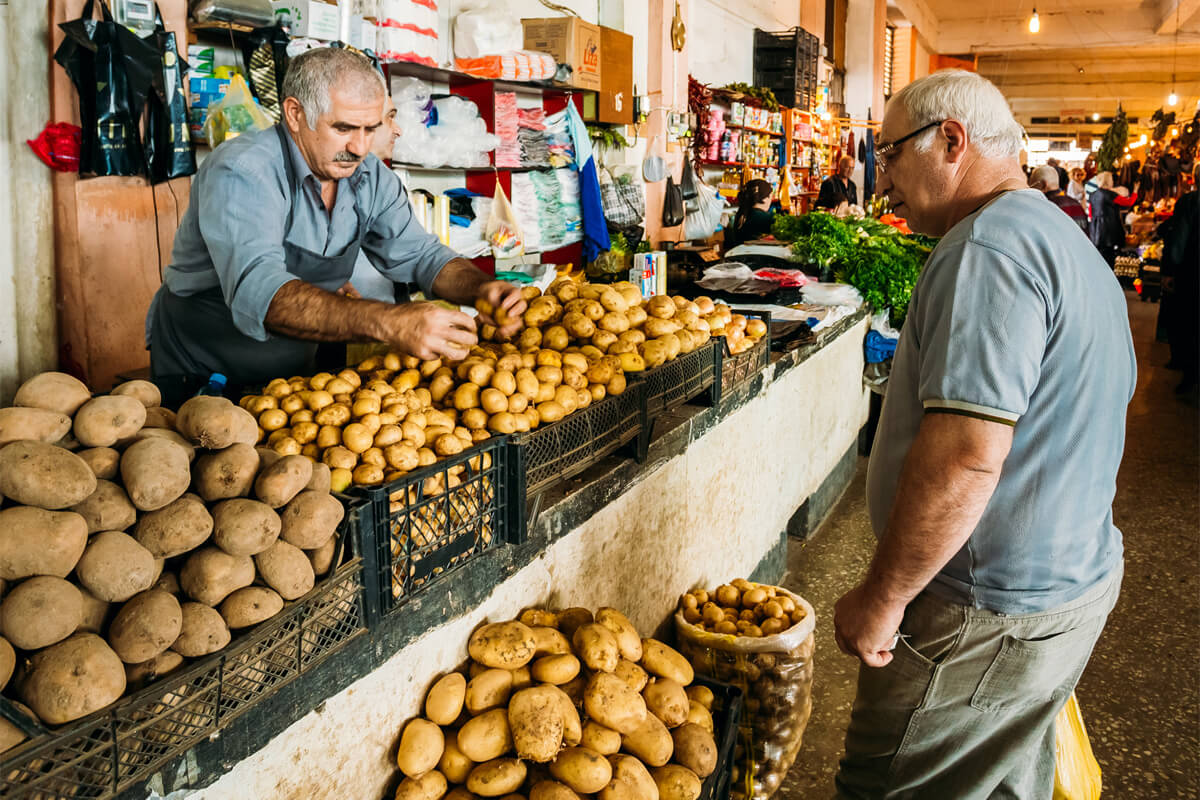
(737, 369)
(787, 62)
(687, 377)
(727, 715)
(565, 448)
(117, 747)
(435, 519)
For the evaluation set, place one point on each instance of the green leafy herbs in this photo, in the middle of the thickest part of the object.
(875, 258)
(762, 95)
(1113, 145)
(607, 137)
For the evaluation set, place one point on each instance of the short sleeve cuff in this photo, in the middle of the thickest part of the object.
(253, 299)
(971, 410)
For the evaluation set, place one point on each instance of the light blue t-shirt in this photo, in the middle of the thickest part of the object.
(1017, 319)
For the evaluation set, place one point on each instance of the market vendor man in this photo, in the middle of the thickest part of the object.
(275, 223)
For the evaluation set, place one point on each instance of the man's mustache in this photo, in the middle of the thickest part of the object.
(347, 156)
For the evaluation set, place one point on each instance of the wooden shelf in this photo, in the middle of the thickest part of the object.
(738, 164)
(754, 130)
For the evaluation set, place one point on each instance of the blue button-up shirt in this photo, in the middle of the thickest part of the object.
(233, 231)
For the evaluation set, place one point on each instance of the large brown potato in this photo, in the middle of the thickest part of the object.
(203, 631)
(40, 611)
(42, 475)
(210, 575)
(104, 421)
(106, 509)
(250, 606)
(243, 527)
(210, 422)
(145, 626)
(114, 567)
(32, 423)
(144, 391)
(226, 473)
(155, 472)
(72, 679)
(286, 569)
(310, 519)
(53, 391)
(34, 541)
(279, 483)
(175, 528)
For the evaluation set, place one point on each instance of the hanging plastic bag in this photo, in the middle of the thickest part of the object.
(488, 30)
(1076, 771)
(703, 213)
(672, 204)
(654, 166)
(264, 52)
(687, 185)
(114, 72)
(235, 113)
(169, 148)
(776, 675)
(503, 231)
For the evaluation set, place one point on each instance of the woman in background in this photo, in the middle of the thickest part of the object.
(1075, 189)
(753, 218)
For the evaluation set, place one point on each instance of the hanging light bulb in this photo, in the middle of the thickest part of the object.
(1095, 116)
(1172, 99)
(1035, 24)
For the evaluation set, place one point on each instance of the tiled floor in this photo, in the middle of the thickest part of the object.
(1141, 692)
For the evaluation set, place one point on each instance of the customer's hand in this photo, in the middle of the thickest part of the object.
(428, 331)
(865, 627)
(501, 304)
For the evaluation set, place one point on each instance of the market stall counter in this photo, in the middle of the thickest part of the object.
(718, 491)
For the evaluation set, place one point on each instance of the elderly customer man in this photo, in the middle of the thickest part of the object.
(992, 476)
(1045, 180)
(274, 225)
(838, 189)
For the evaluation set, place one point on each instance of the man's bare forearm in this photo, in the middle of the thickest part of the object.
(304, 311)
(947, 480)
(459, 282)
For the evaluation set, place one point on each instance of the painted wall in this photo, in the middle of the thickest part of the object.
(722, 32)
(28, 333)
(734, 489)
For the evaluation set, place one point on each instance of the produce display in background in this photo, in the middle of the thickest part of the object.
(560, 705)
(873, 255)
(133, 539)
(759, 638)
(393, 414)
(763, 96)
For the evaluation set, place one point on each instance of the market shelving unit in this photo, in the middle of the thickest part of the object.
(482, 92)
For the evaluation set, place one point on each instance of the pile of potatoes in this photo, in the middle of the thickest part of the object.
(750, 635)
(132, 539)
(615, 320)
(741, 608)
(561, 706)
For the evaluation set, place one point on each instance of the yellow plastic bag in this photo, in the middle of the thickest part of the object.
(235, 113)
(1076, 772)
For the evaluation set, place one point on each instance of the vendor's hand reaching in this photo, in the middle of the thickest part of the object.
(429, 331)
(348, 290)
(501, 304)
(865, 627)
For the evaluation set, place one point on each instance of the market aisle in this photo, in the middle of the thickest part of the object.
(1140, 694)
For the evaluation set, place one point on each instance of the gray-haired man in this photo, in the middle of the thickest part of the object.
(993, 471)
(275, 222)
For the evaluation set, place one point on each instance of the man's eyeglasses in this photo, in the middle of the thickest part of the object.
(892, 149)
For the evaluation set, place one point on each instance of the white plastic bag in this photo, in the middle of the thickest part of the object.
(503, 230)
(490, 29)
(704, 212)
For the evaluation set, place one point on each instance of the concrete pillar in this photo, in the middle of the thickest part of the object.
(667, 75)
(28, 335)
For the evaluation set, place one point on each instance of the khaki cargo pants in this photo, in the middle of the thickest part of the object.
(966, 708)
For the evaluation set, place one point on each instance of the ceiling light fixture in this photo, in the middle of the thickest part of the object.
(1035, 24)
(1095, 116)
(1174, 132)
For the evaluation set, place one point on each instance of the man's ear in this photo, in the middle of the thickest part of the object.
(293, 114)
(956, 140)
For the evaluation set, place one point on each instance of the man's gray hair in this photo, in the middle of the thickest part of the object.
(1047, 176)
(312, 76)
(968, 98)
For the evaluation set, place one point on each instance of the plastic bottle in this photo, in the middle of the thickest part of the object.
(215, 386)
(725, 147)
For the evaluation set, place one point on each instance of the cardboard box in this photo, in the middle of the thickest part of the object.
(310, 18)
(616, 77)
(571, 41)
